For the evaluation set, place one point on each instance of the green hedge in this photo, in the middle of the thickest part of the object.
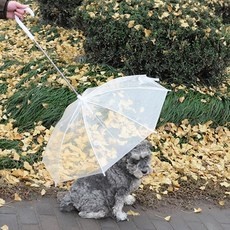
(178, 41)
(58, 12)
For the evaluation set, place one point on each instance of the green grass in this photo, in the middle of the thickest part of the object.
(7, 162)
(3, 88)
(46, 104)
(9, 144)
(7, 64)
(192, 108)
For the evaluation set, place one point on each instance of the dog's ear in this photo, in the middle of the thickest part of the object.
(147, 144)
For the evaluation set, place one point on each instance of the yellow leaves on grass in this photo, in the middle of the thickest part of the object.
(198, 152)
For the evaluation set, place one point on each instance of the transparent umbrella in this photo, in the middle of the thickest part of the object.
(102, 125)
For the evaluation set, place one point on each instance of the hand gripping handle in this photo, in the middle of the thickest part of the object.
(26, 30)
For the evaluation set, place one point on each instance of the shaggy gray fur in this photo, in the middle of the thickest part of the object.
(101, 196)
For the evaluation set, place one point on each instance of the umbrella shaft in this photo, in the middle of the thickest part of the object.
(58, 70)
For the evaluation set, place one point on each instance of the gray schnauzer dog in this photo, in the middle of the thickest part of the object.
(100, 196)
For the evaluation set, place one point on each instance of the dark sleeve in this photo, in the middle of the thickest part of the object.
(3, 7)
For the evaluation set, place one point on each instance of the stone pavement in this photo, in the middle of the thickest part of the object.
(43, 214)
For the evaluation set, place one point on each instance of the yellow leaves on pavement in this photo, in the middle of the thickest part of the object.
(17, 197)
(221, 202)
(43, 192)
(167, 218)
(4, 227)
(197, 210)
(133, 213)
(2, 202)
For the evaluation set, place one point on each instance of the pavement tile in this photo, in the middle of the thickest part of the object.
(30, 227)
(142, 221)
(88, 224)
(8, 209)
(196, 226)
(127, 225)
(10, 220)
(49, 222)
(190, 216)
(210, 222)
(27, 215)
(67, 221)
(178, 223)
(44, 207)
(222, 216)
(225, 226)
(44, 214)
(108, 224)
(162, 225)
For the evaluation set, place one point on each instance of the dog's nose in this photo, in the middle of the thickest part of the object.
(145, 171)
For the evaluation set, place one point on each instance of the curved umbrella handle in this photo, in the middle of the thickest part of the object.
(25, 29)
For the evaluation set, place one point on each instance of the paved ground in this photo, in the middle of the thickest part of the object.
(43, 214)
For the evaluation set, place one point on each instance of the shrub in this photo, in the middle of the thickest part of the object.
(58, 12)
(221, 8)
(180, 41)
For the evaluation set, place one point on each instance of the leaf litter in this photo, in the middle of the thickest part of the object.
(184, 156)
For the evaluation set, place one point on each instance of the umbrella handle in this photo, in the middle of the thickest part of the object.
(25, 29)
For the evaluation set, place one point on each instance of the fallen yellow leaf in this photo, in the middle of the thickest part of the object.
(43, 192)
(2, 202)
(197, 210)
(225, 184)
(132, 213)
(16, 157)
(27, 166)
(221, 203)
(181, 99)
(159, 197)
(167, 218)
(4, 227)
(17, 197)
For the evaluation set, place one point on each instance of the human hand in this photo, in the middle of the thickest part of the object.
(15, 8)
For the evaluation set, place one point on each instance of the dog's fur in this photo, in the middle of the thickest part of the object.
(101, 196)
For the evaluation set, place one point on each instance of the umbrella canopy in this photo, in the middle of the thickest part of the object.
(102, 125)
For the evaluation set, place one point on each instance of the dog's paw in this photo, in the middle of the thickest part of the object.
(129, 200)
(121, 216)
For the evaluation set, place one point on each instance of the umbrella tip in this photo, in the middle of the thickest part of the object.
(79, 97)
